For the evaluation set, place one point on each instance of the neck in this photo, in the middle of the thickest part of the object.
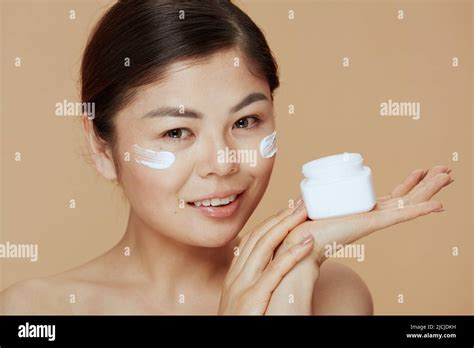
(169, 266)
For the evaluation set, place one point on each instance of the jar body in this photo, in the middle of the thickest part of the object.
(346, 195)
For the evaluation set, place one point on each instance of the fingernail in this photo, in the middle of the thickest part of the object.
(298, 205)
(438, 210)
(449, 171)
(307, 240)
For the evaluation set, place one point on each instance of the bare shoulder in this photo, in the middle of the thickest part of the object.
(91, 288)
(34, 296)
(53, 294)
(341, 291)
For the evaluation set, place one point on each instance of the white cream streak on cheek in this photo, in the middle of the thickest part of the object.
(268, 146)
(153, 159)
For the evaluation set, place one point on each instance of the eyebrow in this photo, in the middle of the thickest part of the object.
(251, 98)
(185, 112)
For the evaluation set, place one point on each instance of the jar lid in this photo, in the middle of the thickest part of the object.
(335, 166)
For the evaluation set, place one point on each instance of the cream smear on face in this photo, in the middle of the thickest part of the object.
(153, 159)
(268, 146)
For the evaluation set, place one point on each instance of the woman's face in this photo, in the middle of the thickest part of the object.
(202, 120)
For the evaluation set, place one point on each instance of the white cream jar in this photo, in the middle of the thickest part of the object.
(337, 185)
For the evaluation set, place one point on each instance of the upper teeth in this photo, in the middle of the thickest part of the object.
(215, 201)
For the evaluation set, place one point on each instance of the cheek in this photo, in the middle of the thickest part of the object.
(154, 190)
(264, 167)
(260, 173)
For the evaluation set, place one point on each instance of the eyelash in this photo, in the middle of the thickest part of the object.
(168, 137)
(256, 121)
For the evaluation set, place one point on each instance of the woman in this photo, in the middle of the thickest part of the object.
(175, 83)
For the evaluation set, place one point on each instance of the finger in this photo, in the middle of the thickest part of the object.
(251, 238)
(248, 240)
(427, 190)
(423, 191)
(256, 232)
(435, 171)
(280, 266)
(414, 178)
(349, 229)
(421, 194)
(263, 251)
(406, 186)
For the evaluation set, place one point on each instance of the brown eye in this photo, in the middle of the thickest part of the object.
(175, 133)
(246, 122)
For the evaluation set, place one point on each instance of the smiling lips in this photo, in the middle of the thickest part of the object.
(218, 207)
(215, 202)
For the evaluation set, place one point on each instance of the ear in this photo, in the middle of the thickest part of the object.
(100, 152)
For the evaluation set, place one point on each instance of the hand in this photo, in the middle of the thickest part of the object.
(409, 200)
(255, 272)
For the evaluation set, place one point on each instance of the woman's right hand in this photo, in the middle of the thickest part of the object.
(254, 274)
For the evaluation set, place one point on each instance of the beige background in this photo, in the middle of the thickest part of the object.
(337, 110)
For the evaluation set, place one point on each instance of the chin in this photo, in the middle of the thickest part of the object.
(215, 238)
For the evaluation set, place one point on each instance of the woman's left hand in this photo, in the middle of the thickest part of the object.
(409, 200)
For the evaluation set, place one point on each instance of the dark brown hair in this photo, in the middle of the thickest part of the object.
(153, 34)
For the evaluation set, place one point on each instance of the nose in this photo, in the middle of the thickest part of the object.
(214, 159)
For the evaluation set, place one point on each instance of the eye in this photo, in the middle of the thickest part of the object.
(177, 134)
(247, 122)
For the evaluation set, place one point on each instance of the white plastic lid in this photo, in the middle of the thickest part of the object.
(333, 167)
